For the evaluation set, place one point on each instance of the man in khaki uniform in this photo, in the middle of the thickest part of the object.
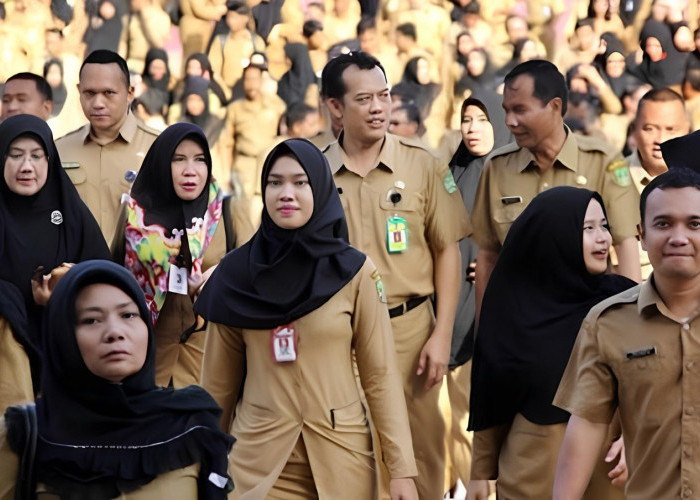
(638, 352)
(251, 127)
(403, 209)
(103, 157)
(547, 154)
(660, 116)
(27, 93)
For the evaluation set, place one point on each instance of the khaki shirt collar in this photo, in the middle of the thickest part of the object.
(567, 156)
(335, 157)
(648, 297)
(126, 132)
(640, 177)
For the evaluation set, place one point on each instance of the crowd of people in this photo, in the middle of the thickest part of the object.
(349, 249)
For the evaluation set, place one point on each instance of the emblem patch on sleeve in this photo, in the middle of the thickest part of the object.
(449, 182)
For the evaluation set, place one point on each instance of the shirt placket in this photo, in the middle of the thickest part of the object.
(690, 410)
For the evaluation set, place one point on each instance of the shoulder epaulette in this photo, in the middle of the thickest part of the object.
(511, 147)
(628, 296)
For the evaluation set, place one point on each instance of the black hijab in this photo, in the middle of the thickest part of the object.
(682, 152)
(281, 275)
(267, 14)
(59, 93)
(541, 281)
(162, 83)
(97, 438)
(153, 188)
(484, 81)
(205, 64)
(668, 71)
(612, 45)
(422, 95)
(28, 237)
(210, 124)
(293, 84)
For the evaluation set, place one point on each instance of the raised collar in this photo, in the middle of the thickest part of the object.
(334, 153)
(567, 156)
(126, 132)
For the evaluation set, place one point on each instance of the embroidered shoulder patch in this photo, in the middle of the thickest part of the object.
(449, 182)
(380, 286)
(621, 173)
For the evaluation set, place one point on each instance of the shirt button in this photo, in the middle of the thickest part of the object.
(687, 492)
(545, 185)
(686, 326)
(689, 365)
(690, 410)
(687, 453)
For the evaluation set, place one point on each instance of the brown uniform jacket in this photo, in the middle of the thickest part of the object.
(179, 484)
(510, 180)
(315, 397)
(632, 353)
(432, 206)
(101, 174)
(15, 374)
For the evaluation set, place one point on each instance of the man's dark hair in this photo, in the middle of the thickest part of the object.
(42, 86)
(662, 94)
(548, 81)
(408, 29)
(239, 7)
(692, 76)
(365, 24)
(675, 178)
(332, 84)
(102, 56)
(412, 112)
(297, 112)
(311, 27)
(587, 21)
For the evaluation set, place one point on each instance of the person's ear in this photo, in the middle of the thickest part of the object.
(556, 105)
(335, 107)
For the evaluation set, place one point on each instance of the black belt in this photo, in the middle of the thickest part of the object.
(406, 306)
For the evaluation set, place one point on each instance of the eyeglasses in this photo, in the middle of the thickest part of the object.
(33, 158)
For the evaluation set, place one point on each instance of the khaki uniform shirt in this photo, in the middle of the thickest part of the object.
(101, 174)
(230, 60)
(640, 178)
(315, 397)
(511, 180)
(430, 203)
(15, 373)
(632, 353)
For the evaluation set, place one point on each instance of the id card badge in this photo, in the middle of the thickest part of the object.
(283, 343)
(396, 234)
(177, 280)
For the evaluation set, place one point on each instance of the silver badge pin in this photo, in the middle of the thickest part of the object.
(130, 176)
(56, 217)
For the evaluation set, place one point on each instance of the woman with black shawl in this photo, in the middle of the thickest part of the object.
(171, 235)
(104, 428)
(43, 221)
(478, 74)
(416, 83)
(293, 85)
(285, 312)
(662, 64)
(53, 74)
(612, 65)
(550, 272)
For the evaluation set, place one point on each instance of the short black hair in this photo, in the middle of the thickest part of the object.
(42, 86)
(692, 76)
(586, 21)
(408, 29)
(412, 112)
(311, 27)
(660, 94)
(332, 84)
(239, 7)
(675, 178)
(548, 81)
(102, 56)
(297, 112)
(366, 23)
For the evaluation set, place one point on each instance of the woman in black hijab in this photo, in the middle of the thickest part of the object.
(58, 91)
(104, 428)
(43, 221)
(156, 73)
(195, 108)
(478, 74)
(550, 272)
(416, 83)
(170, 236)
(285, 311)
(293, 85)
(612, 65)
(662, 64)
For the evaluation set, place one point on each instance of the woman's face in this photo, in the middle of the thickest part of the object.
(194, 68)
(476, 62)
(111, 335)
(600, 7)
(423, 71)
(288, 197)
(189, 170)
(26, 167)
(615, 65)
(596, 239)
(653, 49)
(194, 104)
(465, 44)
(477, 131)
(157, 69)
(54, 76)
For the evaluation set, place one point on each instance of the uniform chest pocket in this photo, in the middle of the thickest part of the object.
(508, 214)
(76, 173)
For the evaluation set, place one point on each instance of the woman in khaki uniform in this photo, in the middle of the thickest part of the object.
(171, 236)
(15, 349)
(286, 312)
(103, 429)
